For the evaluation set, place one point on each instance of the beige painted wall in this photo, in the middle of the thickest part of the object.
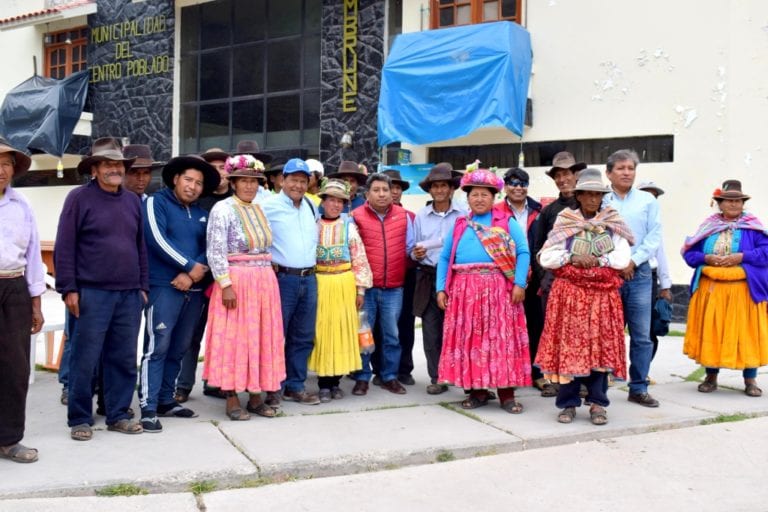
(697, 69)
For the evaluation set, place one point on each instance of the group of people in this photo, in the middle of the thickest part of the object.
(274, 274)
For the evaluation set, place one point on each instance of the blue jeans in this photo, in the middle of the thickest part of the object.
(636, 297)
(298, 300)
(172, 316)
(747, 373)
(106, 331)
(383, 305)
(69, 329)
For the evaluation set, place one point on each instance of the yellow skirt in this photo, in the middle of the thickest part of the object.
(726, 329)
(336, 351)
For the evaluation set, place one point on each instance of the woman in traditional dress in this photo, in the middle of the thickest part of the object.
(343, 275)
(481, 279)
(244, 340)
(583, 336)
(728, 312)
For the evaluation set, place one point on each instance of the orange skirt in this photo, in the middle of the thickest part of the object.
(726, 329)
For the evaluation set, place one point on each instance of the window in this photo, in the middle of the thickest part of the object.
(250, 69)
(65, 52)
(451, 13)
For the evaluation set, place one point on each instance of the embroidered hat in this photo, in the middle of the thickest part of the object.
(106, 148)
(475, 177)
(565, 160)
(649, 185)
(22, 160)
(394, 175)
(334, 187)
(590, 180)
(731, 189)
(180, 164)
(245, 166)
(251, 147)
(143, 156)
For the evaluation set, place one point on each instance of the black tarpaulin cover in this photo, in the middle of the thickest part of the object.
(40, 114)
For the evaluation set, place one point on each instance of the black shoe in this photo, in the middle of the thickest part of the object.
(182, 395)
(151, 424)
(64, 398)
(406, 379)
(643, 399)
(376, 380)
(214, 392)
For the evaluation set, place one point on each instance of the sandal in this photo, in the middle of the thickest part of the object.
(548, 390)
(82, 432)
(597, 415)
(566, 415)
(238, 414)
(18, 453)
(752, 390)
(126, 426)
(262, 410)
(707, 387)
(512, 406)
(272, 399)
(473, 402)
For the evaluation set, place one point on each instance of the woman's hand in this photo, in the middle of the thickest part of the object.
(442, 300)
(518, 295)
(359, 301)
(730, 260)
(229, 298)
(584, 261)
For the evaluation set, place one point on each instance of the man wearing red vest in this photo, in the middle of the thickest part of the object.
(387, 235)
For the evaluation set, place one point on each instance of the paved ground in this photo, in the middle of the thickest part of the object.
(382, 451)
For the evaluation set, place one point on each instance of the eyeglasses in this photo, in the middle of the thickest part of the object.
(517, 183)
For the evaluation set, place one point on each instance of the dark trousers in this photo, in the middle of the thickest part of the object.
(107, 330)
(188, 372)
(597, 391)
(16, 321)
(534, 319)
(328, 382)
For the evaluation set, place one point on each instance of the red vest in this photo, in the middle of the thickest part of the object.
(384, 242)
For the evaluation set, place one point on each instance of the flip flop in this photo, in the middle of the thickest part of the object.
(19, 453)
(176, 411)
(512, 406)
(262, 410)
(238, 414)
(472, 402)
(126, 426)
(82, 432)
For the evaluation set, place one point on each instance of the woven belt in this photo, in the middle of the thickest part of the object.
(11, 274)
(308, 271)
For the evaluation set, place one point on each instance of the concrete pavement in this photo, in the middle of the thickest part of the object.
(382, 450)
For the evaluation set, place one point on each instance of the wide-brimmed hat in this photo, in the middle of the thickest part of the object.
(565, 160)
(244, 166)
(105, 148)
(142, 155)
(251, 147)
(22, 160)
(481, 178)
(350, 168)
(590, 180)
(731, 189)
(334, 187)
(179, 164)
(397, 179)
(440, 172)
(650, 185)
(213, 154)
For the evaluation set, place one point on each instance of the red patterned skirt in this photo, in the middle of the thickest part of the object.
(485, 341)
(584, 325)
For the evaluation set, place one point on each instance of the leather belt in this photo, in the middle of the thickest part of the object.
(308, 271)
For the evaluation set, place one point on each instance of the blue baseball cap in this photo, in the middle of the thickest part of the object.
(296, 165)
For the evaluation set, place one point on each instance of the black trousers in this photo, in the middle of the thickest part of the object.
(597, 391)
(534, 318)
(16, 322)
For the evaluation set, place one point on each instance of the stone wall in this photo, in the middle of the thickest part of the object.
(130, 57)
(334, 122)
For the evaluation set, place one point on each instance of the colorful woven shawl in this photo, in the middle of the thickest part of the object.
(499, 246)
(715, 223)
(570, 223)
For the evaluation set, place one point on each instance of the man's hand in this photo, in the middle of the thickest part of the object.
(419, 253)
(628, 273)
(72, 301)
(518, 295)
(359, 301)
(182, 282)
(144, 297)
(229, 298)
(442, 300)
(666, 294)
(198, 272)
(37, 316)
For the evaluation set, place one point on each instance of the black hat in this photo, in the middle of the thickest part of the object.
(179, 164)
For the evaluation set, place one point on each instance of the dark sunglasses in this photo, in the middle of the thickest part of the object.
(517, 183)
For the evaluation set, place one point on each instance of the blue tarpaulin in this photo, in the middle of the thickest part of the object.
(446, 83)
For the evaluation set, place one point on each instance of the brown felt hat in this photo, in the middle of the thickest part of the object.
(731, 189)
(565, 160)
(22, 160)
(105, 148)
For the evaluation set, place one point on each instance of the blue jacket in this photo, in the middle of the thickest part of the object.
(175, 236)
